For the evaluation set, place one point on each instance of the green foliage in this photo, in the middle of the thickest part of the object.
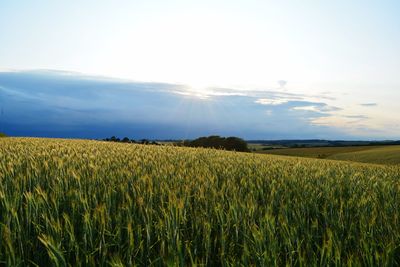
(3, 135)
(90, 203)
(54, 253)
(215, 141)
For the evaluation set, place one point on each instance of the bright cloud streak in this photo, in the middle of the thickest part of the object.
(265, 101)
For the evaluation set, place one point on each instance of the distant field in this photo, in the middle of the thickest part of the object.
(262, 147)
(91, 203)
(380, 155)
(366, 154)
(316, 152)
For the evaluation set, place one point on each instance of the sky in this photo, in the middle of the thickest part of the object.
(340, 58)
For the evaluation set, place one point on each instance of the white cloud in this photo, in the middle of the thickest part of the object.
(273, 102)
(307, 108)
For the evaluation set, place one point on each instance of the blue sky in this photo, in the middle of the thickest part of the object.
(343, 54)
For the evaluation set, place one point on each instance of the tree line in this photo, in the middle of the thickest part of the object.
(132, 141)
(214, 141)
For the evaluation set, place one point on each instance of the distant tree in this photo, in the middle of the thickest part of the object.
(144, 142)
(127, 140)
(235, 143)
(215, 141)
(3, 135)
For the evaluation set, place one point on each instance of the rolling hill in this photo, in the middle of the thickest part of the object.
(380, 155)
(367, 154)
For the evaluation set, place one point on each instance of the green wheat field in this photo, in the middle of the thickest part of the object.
(91, 203)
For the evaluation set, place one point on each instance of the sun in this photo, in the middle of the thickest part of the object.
(202, 92)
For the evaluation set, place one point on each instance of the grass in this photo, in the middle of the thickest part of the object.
(90, 203)
(366, 154)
